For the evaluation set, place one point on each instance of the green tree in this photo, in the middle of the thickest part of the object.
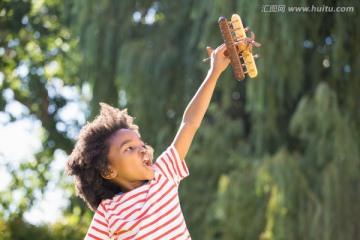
(38, 63)
(277, 157)
(295, 181)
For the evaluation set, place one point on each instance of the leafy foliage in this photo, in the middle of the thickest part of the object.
(277, 157)
(37, 65)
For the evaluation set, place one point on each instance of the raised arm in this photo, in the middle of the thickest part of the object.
(195, 111)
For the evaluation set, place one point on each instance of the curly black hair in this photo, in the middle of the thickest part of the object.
(89, 160)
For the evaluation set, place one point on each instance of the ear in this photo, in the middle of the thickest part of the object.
(110, 173)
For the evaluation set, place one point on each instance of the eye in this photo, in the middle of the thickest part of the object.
(129, 149)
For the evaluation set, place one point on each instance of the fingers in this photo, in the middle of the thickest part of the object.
(220, 47)
(220, 50)
(219, 61)
(209, 51)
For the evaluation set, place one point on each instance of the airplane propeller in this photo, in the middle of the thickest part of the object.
(251, 42)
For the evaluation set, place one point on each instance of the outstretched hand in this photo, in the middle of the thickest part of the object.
(219, 61)
(195, 111)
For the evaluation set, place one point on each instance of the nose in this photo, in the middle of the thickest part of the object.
(142, 149)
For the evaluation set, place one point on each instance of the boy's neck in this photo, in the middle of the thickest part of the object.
(127, 187)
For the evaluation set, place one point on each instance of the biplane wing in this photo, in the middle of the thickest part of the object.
(239, 47)
(240, 37)
(231, 48)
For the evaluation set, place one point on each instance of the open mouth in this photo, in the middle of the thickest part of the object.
(147, 162)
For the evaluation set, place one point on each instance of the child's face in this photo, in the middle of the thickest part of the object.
(130, 162)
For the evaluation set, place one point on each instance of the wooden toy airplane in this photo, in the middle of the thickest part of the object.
(239, 47)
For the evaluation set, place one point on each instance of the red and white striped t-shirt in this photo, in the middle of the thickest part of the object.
(151, 211)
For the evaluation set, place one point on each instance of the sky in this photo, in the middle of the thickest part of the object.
(20, 140)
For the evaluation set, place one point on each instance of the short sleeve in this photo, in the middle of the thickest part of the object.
(170, 165)
(99, 227)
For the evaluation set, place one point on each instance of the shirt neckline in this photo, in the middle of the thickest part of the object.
(119, 193)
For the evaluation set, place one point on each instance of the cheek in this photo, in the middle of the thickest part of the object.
(121, 163)
(113, 161)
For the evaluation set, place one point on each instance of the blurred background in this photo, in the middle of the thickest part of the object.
(277, 156)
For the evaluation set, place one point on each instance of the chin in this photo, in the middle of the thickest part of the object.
(150, 176)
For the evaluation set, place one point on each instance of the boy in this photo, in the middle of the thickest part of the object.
(113, 171)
